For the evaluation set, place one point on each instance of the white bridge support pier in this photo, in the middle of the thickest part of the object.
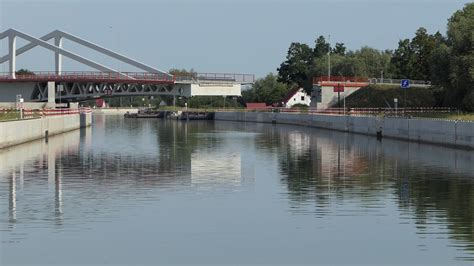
(58, 60)
(12, 54)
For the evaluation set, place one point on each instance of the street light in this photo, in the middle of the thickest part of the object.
(329, 58)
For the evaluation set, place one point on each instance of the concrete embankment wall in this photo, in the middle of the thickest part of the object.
(114, 111)
(21, 131)
(444, 132)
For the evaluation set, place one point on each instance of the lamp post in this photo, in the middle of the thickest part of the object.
(329, 58)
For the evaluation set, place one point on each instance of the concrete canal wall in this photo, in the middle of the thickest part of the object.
(444, 132)
(21, 131)
(114, 111)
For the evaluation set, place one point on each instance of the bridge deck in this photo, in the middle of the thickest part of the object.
(128, 77)
(104, 77)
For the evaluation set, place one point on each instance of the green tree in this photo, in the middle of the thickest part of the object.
(439, 65)
(182, 72)
(321, 47)
(339, 49)
(24, 71)
(401, 59)
(422, 45)
(460, 37)
(268, 90)
(296, 66)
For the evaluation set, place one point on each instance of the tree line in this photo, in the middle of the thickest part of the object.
(445, 60)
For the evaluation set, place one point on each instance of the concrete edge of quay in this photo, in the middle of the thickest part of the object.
(21, 131)
(458, 134)
(114, 111)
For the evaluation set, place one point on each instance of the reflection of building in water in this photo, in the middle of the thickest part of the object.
(208, 167)
(326, 157)
(298, 142)
(336, 160)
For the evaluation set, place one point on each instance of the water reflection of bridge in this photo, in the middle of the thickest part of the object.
(174, 156)
(319, 168)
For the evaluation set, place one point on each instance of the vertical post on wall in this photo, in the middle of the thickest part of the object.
(12, 54)
(58, 59)
(51, 94)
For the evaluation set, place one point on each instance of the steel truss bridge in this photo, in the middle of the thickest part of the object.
(106, 81)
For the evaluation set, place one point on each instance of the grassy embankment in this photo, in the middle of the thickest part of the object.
(15, 115)
(449, 116)
(380, 96)
(9, 116)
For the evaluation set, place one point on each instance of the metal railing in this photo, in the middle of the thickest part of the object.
(317, 80)
(383, 81)
(416, 83)
(349, 111)
(131, 77)
(216, 77)
(15, 114)
(18, 114)
(90, 76)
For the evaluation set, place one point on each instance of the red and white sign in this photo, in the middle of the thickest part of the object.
(339, 88)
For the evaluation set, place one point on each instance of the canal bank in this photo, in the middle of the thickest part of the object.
(20, 131)
(114, 111)
(442, 132)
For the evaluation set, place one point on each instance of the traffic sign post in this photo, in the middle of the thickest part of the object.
(339, 89)
(405, 84)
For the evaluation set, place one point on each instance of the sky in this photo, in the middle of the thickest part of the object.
(215, 36)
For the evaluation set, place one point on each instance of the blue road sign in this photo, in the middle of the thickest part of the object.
(405, 84)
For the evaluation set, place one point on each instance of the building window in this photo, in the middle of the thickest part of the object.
(302, 98)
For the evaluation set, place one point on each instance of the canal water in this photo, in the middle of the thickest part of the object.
(132, 192)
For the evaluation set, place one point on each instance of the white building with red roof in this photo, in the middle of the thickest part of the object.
(296, 95)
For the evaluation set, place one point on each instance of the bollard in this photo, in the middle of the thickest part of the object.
(379, 134)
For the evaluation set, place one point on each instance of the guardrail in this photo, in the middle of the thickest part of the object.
(398, 81)
(350, 111)
(14, 114)
(61, 111)
(316, 80)
(386, 81)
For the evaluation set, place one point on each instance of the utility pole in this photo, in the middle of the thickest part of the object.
(329, 58)
(339, 95)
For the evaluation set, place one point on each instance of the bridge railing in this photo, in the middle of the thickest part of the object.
(216, 77)
(88, 76)
(398, 81)
(317, 80)
(92, 76)
(386, 81)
